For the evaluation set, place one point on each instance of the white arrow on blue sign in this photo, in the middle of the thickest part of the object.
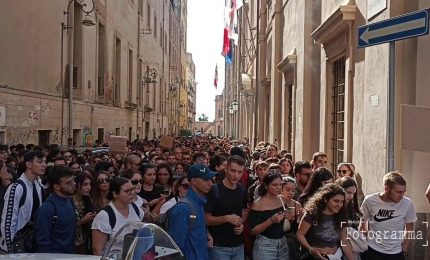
(397, 28)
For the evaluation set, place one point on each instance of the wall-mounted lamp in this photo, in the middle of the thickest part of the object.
(235, 105)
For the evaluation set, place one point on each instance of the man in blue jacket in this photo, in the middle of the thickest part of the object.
(55, 220)
(186, 221)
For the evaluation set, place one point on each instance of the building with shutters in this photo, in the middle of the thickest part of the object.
(314, 90)
(120, 59)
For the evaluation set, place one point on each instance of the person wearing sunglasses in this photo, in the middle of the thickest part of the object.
(136, 180)
(121, 194)
(180, 188)
(100, 190)
(345, 169)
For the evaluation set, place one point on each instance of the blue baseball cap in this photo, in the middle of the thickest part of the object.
(200, 171)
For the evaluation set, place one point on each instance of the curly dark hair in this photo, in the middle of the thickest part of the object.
(318, 202)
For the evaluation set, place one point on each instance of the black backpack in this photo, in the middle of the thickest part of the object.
(164, 219)
(13, 186)
(111, 213)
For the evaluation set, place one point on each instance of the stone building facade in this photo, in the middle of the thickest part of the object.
(314, 90)
(124, 80)
(191, 84)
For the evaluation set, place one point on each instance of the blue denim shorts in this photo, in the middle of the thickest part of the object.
(227, 253)
(270, 249)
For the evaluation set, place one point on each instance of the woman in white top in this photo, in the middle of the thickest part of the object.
(121, 195)
(180, 188)
(136, 180)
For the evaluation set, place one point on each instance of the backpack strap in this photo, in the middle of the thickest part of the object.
(136, 209)
(24, 192)
(111, 215)
(216, 192)
(193, 212)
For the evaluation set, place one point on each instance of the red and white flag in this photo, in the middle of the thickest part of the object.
(216, 76)
(230, 24)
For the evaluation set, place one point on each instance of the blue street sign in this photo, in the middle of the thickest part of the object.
(397, 28)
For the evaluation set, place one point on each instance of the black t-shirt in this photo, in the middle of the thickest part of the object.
(228, 202)
(151, 195)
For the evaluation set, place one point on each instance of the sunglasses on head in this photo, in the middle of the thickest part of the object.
(103, 180)
(342, 171)
(136, 182)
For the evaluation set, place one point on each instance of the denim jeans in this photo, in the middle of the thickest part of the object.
(228, 253)
(270, 249)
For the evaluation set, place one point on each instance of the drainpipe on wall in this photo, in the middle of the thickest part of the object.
(71, 34)
(257, 76)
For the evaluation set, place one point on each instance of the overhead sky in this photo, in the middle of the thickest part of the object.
(205, 36)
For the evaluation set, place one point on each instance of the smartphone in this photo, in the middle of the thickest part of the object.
(165, 192)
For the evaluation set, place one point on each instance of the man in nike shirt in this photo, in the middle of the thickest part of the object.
(387, 218)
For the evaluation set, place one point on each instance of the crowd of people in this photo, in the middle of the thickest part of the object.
(215, 197)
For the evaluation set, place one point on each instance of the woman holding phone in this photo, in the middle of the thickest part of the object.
(291, 224)
(266, 220)
(164, 182)
(84, 213)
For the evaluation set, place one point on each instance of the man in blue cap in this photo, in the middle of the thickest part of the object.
(186, 220)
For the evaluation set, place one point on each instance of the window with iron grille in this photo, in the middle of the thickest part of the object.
(101, 60)
(338, 112)
(290, 117)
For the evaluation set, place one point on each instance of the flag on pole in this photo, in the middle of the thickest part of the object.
(226, 43)
(216, 77)
(229, 56)
(231, 36)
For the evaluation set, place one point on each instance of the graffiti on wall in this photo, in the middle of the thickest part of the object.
(87, 137)
(108, 88)
(39, 110)
(21, 135)
(57, 134)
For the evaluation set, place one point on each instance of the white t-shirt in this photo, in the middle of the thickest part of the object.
(167, 205)
(101, 223)
(139, 201)
(386, 222)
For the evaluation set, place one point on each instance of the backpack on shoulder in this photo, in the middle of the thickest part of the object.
(164, 219)
(13, 186)
(111, 214)
(23, 241)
